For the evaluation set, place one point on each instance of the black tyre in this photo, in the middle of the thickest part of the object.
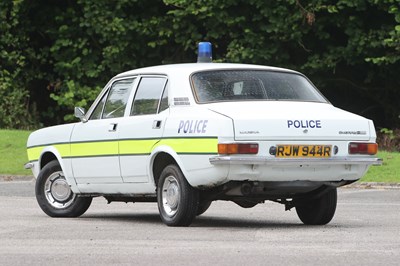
(54, 194)
(318, 211)
(177, 200)
(203, 206)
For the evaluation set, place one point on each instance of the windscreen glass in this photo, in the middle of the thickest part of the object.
(250, 85)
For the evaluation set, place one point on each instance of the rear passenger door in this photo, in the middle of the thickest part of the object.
(144, 127)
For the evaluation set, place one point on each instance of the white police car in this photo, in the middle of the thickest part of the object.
(188, 134)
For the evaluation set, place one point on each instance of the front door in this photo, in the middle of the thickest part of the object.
(94, 144)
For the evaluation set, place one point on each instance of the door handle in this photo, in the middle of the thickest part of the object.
(112, 127)
(157, 124)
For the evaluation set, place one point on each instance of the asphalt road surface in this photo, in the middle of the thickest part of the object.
(364, 231)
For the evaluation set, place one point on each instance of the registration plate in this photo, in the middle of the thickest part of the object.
(304, 151)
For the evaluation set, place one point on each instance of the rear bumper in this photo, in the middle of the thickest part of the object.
(247, 160)
(257, 168)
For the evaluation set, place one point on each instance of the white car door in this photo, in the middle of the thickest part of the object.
(143, 128)
(94, 144)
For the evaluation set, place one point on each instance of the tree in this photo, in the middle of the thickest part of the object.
(14, 72)
(91, 41)
(351, 49)
(59, 54)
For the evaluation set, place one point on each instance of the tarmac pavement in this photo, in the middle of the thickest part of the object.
(364, 231)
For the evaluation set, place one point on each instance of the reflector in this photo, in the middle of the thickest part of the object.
(363, 148)
(237, 148)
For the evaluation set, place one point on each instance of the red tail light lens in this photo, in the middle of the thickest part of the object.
(237, 148)
(363, 148)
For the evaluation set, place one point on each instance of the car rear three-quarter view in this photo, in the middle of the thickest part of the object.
(186, 135)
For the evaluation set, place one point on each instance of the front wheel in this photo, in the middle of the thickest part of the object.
(177, 201)
(55, 196)
(318, 211)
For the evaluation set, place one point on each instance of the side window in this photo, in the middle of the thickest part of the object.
(148, 95)
(117, 99)
(164, 100)
(96, 114)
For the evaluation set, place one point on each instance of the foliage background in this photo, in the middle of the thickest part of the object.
(55, 55)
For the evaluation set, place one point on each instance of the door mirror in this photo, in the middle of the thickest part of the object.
(79, 112)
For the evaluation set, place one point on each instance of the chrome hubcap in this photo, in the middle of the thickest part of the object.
(171, 195)
(57, 191)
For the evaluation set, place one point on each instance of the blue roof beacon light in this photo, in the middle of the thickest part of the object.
(205, 53)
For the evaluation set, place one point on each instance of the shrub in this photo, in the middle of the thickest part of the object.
(388, 139)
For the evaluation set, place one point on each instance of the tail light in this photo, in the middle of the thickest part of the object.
(237, 148)
(363, 148)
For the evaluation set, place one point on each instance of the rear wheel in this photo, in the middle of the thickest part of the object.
(177, 200)
(55, 196)
(318, 211)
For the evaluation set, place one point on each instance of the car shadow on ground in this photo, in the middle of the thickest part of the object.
(125, 217)
(241, 223)
(203, 221)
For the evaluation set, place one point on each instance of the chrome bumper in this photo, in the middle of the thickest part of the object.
(295, 161)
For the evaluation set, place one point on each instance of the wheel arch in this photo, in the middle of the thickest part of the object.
(160, 158)
(46, 158)
(50, 154)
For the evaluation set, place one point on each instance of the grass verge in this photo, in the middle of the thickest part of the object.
(389, 172)
(13, 150)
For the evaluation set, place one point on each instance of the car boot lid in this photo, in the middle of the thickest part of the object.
(292, 121)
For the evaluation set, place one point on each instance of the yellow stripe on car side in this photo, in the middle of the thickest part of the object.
(129, 147)
(63, 149)
(136, 146)
(35, 152)
(191, 145)
(88, 149)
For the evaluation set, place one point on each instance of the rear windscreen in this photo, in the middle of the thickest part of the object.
(247, 85)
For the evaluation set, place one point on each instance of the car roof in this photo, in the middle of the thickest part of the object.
(189, 68)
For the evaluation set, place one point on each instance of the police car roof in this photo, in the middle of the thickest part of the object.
(189, 68)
